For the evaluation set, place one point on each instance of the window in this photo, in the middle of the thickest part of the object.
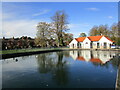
(98, 45)
(86, 43)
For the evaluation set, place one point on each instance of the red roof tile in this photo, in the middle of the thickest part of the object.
(80, 39)
(92, 38)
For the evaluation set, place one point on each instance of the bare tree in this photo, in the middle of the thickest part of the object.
(93, 31)
(98, 30)
(60, 25)
(103, 29)
(113, 32)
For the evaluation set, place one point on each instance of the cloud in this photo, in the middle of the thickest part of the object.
(93, 9)
(41, 12)
(19, 28)
(110, 17)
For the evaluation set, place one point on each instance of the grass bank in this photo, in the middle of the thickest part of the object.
(27, 50)
(24, 52)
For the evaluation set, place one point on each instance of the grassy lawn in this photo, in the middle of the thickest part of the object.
(27, 50)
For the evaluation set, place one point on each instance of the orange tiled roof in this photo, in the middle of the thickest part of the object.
(92, 38)
(80, 39)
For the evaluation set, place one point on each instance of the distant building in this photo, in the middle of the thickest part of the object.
(91, 42)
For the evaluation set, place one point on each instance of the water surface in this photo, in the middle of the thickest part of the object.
(66, 69)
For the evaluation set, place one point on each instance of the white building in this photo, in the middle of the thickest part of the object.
(91, 42)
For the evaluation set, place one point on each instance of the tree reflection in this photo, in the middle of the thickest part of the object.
(45, 63)
(66, 54)
(61, 74)
(56, 65)
(115, 61)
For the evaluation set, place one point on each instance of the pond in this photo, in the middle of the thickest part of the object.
(65, 69)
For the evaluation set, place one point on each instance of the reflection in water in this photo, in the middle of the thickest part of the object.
(118, 78)
(55, 64)
(93, 56)
(61, 75)
(97, 58)
(45, 63)
(72, 69)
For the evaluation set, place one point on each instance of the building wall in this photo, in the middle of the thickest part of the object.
(95, 44)
(73, 43)
(80, 45)
(105, 40)
(86, 43)
(101, 43)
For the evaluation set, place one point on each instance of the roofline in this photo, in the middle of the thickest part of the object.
(98, 40)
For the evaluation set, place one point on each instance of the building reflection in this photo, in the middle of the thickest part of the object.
(56, 64)
(93, 56)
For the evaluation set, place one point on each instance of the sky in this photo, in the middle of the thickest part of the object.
(20, 18)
